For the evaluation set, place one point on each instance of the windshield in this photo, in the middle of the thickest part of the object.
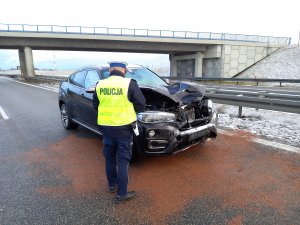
(143, 76)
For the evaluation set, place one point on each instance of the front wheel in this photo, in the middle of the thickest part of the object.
(137, 155)
(65, 118)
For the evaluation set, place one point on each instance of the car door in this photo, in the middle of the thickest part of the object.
(89, 115)
(75, 92)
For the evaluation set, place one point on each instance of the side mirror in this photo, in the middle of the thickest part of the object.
(91, 89)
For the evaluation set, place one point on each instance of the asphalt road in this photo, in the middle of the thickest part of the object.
(52, 176)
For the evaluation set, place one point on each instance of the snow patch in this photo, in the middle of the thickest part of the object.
(279, 126)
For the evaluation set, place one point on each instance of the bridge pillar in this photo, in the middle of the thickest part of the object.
(22, 62)
(26, 62)
(186, 65)
(173, 66)
(198, 64)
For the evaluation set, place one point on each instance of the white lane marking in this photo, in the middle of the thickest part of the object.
(266, 142)
(3, 114)
(277, 145)
(45, 88)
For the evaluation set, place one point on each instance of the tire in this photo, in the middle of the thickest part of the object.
(66, 119)
(137, 156)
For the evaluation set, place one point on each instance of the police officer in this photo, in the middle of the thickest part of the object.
(117, 100)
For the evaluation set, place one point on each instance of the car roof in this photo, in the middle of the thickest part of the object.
(106, 66)
(103, 66)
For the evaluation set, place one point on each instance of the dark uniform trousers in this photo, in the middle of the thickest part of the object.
(117, 152)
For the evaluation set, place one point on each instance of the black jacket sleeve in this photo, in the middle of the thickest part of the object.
(136, 96)
(95, 101)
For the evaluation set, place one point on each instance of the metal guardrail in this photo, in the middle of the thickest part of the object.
(142, 33)
(285, 101)
(236, 80)
(278, 100)
(271, 100)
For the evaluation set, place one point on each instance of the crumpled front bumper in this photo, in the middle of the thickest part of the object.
(169, 139)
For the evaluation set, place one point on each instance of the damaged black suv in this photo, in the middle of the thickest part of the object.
(177, 115)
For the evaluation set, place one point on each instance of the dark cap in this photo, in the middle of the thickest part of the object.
(118, 64)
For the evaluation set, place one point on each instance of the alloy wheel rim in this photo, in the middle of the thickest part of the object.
(64, 116)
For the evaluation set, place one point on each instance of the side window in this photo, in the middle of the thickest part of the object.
(92, 78)
(78, 78)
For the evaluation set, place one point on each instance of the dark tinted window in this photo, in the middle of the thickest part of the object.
(91, 78)
(78, 78)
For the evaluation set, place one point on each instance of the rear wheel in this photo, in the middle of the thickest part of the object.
(66, 119)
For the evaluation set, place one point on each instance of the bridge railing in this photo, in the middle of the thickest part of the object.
(142, 33)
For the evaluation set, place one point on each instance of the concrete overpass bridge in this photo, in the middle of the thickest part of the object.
(196, 54)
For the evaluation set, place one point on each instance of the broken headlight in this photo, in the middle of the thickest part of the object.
(212, 111)
(155, 117)
(210, 106)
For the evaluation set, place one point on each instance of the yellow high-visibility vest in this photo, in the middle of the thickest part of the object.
(114, 109)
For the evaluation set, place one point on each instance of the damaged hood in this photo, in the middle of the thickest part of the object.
(181, 92)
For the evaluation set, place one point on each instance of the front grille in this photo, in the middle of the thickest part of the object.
(190, 114)
(195, 117)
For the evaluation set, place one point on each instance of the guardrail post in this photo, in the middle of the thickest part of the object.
(240, 111)
(280, 84)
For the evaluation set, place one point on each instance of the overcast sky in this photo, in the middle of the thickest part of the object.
(259, 17)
